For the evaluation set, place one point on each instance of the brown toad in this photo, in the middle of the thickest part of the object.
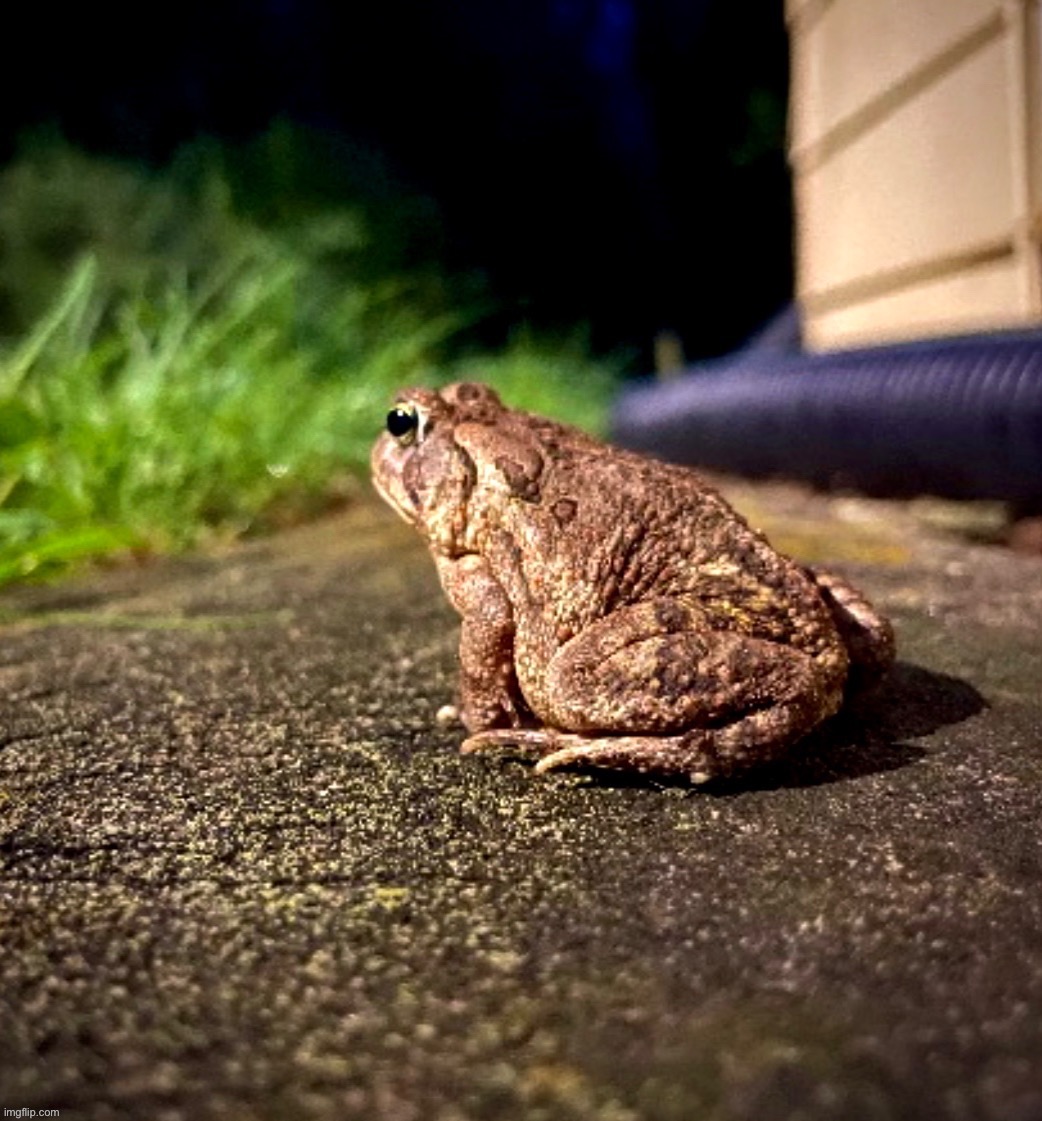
(616, 611)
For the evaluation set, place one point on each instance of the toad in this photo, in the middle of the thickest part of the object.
(616, 611)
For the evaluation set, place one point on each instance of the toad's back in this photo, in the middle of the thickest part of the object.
(609, 529)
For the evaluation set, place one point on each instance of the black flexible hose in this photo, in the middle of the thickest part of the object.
(959, 418)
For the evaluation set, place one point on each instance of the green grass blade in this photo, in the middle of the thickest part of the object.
(70, 305)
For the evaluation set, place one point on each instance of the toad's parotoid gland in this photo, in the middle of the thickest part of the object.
(616, 611)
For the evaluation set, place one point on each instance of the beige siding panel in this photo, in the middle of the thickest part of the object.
(932, 181)
(983, 298)
(857, 49)
(793, 8)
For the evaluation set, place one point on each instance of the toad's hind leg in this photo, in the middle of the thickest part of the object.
(657, 669)
(697, 755)
(651, 688)
(867, 635)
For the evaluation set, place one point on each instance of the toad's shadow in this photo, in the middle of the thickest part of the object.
(865, 738)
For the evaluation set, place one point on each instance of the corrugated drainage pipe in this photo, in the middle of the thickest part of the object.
(959, 418)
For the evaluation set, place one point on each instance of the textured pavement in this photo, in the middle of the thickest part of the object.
(244, 872)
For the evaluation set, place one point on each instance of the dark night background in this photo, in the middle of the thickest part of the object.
(616, 162)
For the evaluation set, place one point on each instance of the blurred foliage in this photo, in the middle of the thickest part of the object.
(335, 204)
(209, 351)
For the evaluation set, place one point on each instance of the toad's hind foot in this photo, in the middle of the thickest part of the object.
(697, 754)
(529, 742)
(689, 755)
(552, 748)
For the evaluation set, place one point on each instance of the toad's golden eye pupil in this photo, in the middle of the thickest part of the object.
(402, 421)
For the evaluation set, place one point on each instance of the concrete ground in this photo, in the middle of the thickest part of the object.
(243, 871)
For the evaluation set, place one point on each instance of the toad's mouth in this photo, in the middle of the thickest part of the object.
(388, 485)
(406, 513)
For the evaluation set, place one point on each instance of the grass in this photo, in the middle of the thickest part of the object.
(159, 403)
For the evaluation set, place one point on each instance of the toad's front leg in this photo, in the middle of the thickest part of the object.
(489, 692)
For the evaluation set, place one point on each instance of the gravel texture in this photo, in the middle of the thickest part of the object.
(244, 872)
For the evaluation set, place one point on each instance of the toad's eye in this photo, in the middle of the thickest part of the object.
(403, 422)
